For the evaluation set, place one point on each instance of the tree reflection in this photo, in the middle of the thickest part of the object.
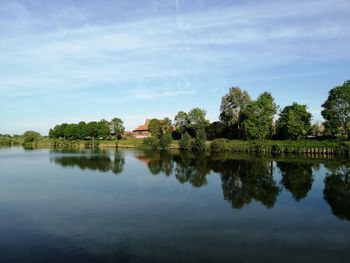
(245, 180)
(102, 163)
(337, 191)
(192, 168)
(157, 161)
(296, 178)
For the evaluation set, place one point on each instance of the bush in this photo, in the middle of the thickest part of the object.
(31, 136)
(165, 141)
(199, 143)
(185, 142)
(152, 142)
(220, 145)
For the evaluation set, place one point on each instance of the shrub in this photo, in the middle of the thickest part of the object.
(199, 143)
(152, 142)
(185, 141)
(220, 145)
(165, 141)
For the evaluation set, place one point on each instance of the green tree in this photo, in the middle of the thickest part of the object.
(92, 129)
(258, 116)
(155, 128)
(152, 142)
(199, 143)
(294, 122)
(185, 141)
(117, 127)
(197, 119)
(181, 122)
(165, 140)
(232, 105)
(103, 130)
(336, 110)
(71, 131)
(166, 126)
(31, 136)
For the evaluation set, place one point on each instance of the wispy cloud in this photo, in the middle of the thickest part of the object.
(163, 49)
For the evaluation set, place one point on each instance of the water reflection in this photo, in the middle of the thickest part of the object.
(91, 161)
(243, 178)
(337, 191)
(297, 178)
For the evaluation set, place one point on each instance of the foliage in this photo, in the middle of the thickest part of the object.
(159, 127)
(152, 142)
(31, 136)
(336, 111)
(294, 122)
(88, 131)
(165, 140)
(215, 130)
(199, 143)
(117, 128)
(232, 106)
(185, 142)
(258, 116)
(192, 121)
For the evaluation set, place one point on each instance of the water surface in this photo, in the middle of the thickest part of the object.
(151, 206)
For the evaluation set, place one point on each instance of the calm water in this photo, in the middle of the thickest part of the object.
(133, 206)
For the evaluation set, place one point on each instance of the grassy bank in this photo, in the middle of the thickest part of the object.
(325, 147)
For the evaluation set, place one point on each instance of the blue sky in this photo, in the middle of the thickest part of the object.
(66, 61)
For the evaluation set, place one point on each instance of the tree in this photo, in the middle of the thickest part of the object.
(117, 128)
(215, 130)
(181, 122)
(294, 122)
(103, 130)
(336, 111)
(155, 128)
(199, 143)
(31, 136)
(185, 141)
(257, 117)
(197, 119)
(165, 141)
(232, 105)
(166, 126)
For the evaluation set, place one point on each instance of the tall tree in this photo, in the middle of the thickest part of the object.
(258, 116)
(103, 129)
(232, 105)
(181, 122)
(197, 120)
(294, 122)
(117, 127)
(155, 128)
(336, 110)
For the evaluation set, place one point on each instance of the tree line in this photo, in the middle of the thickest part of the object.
(102, 129)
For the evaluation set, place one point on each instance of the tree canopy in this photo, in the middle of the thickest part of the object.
(294, 122)
(336, 110)
(258, 116)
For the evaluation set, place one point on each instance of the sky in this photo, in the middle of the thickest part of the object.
(68, 61)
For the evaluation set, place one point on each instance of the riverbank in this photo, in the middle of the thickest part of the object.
(311, 146)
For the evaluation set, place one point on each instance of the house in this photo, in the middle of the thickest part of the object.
(142, 131)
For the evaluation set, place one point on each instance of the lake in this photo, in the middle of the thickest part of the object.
(154, 206)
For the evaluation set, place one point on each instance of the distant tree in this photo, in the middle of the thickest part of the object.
(117, 127)
(336, 111)
(71, 131)
(199, 143)
(165, 141)
(215, 130)
(185, 141)
(258, 116)
(103, 129)
(31, 136)
(92, 129)
(294, 122)
(166, 126)
(232, 105)
(316, 130)
(82, 130)
(197, 119)
(155, 128)
(181, 122)
(152, 142)
(190, 122)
